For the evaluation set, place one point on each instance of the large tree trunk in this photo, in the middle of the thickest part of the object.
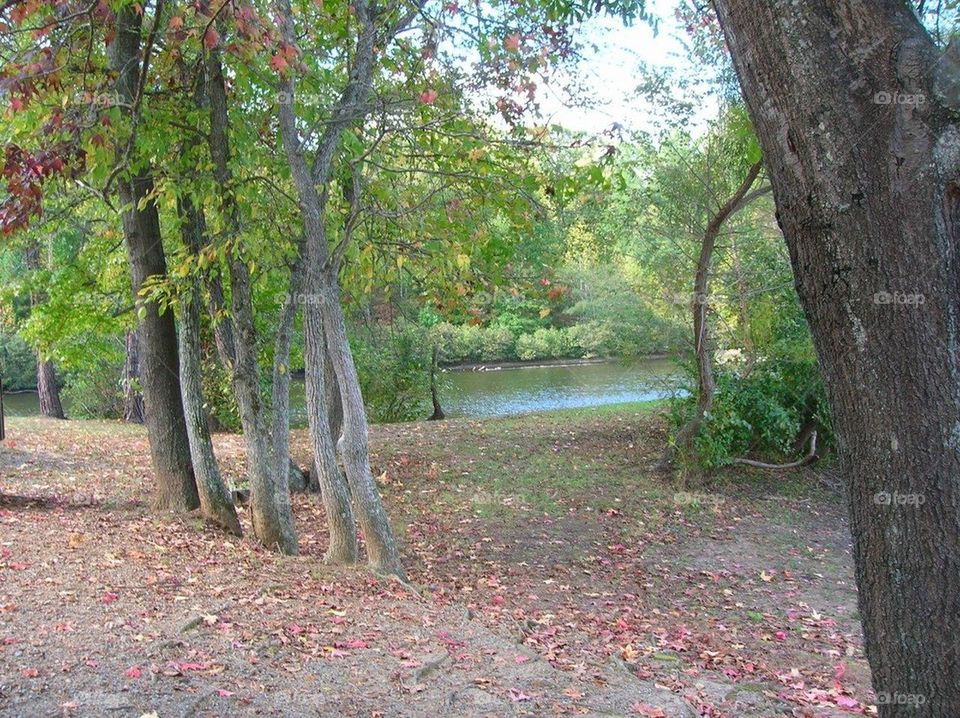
(133, 410)
(48, 391)
(864, 158)
(176, 488)
(216, 501)
(267, 457)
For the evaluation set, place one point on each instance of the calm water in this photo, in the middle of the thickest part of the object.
(520, 390)
(503, 392)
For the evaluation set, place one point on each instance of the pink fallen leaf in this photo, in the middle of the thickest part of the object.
(109, 597)
(133, 672)
(518, 696)
(847, 702)
(224, 693)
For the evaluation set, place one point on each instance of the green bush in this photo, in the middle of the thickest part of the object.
(94, 392)
(497, 344)
(760, 413)
(548, 343)
(394, 368)
(18, 363)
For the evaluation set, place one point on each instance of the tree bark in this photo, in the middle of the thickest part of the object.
(438, 414)
(323, 287)
(334, 492)
(176, 488)
(133, 410)
(216, 501)
(864, 157)
(267, 457)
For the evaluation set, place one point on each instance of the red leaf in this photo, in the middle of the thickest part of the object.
(133, 672)
(428, 97)
(109, 597)
(210, 38)
(223, 693)
(512, 42)
(29, 672)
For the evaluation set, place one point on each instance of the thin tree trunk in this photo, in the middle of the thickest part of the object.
(133, 410)
(438, 414)
(47, 389)
(864, 156)
(382, 551)
(706, 387)
(334, 403)
(333, 488)
(216, 501)
(176, 488)
(270, 505)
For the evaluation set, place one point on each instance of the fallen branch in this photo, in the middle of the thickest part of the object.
(809, 458)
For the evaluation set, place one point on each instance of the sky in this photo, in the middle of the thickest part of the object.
(609, 74)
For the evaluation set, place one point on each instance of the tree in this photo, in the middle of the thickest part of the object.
(47, 389)
(176, 487)
(857, 118)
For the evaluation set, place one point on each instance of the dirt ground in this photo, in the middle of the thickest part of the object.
(555, 574)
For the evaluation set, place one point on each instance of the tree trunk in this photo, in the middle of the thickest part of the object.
(706, 387)
(47, 389)
(268, 470)
(334, 492)
(48, 392)
(176, 488)
(382, 551)
(133, 410)
(322, 285)
(864, 158)
(216, 501)
(438, 414)
(332, 393)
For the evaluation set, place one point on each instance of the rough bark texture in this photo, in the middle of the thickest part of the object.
(216, 501)
(133, 410)
(322, 285)
(270, 507)
(342, 528)
(176, 488)
(864, 157)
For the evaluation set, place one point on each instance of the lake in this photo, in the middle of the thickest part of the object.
(505, 391)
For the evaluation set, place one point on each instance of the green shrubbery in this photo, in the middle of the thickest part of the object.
(18, 363)
(393, 363)
(761, 412)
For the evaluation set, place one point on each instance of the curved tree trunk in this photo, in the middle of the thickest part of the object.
(382, 551)
(706, 387)
(216, 501)
(438, 414)
(176, 488)
(864, 156)
(334, 492)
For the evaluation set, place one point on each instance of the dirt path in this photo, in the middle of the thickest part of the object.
(556, 577)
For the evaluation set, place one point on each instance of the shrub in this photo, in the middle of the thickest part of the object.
(18, 363)
(548, 343)
(394, 368)
(497, 344)
(760, 413)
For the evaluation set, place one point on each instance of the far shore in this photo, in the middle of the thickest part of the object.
(546, 363)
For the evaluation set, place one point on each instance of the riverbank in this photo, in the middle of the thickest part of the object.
(557, 575)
